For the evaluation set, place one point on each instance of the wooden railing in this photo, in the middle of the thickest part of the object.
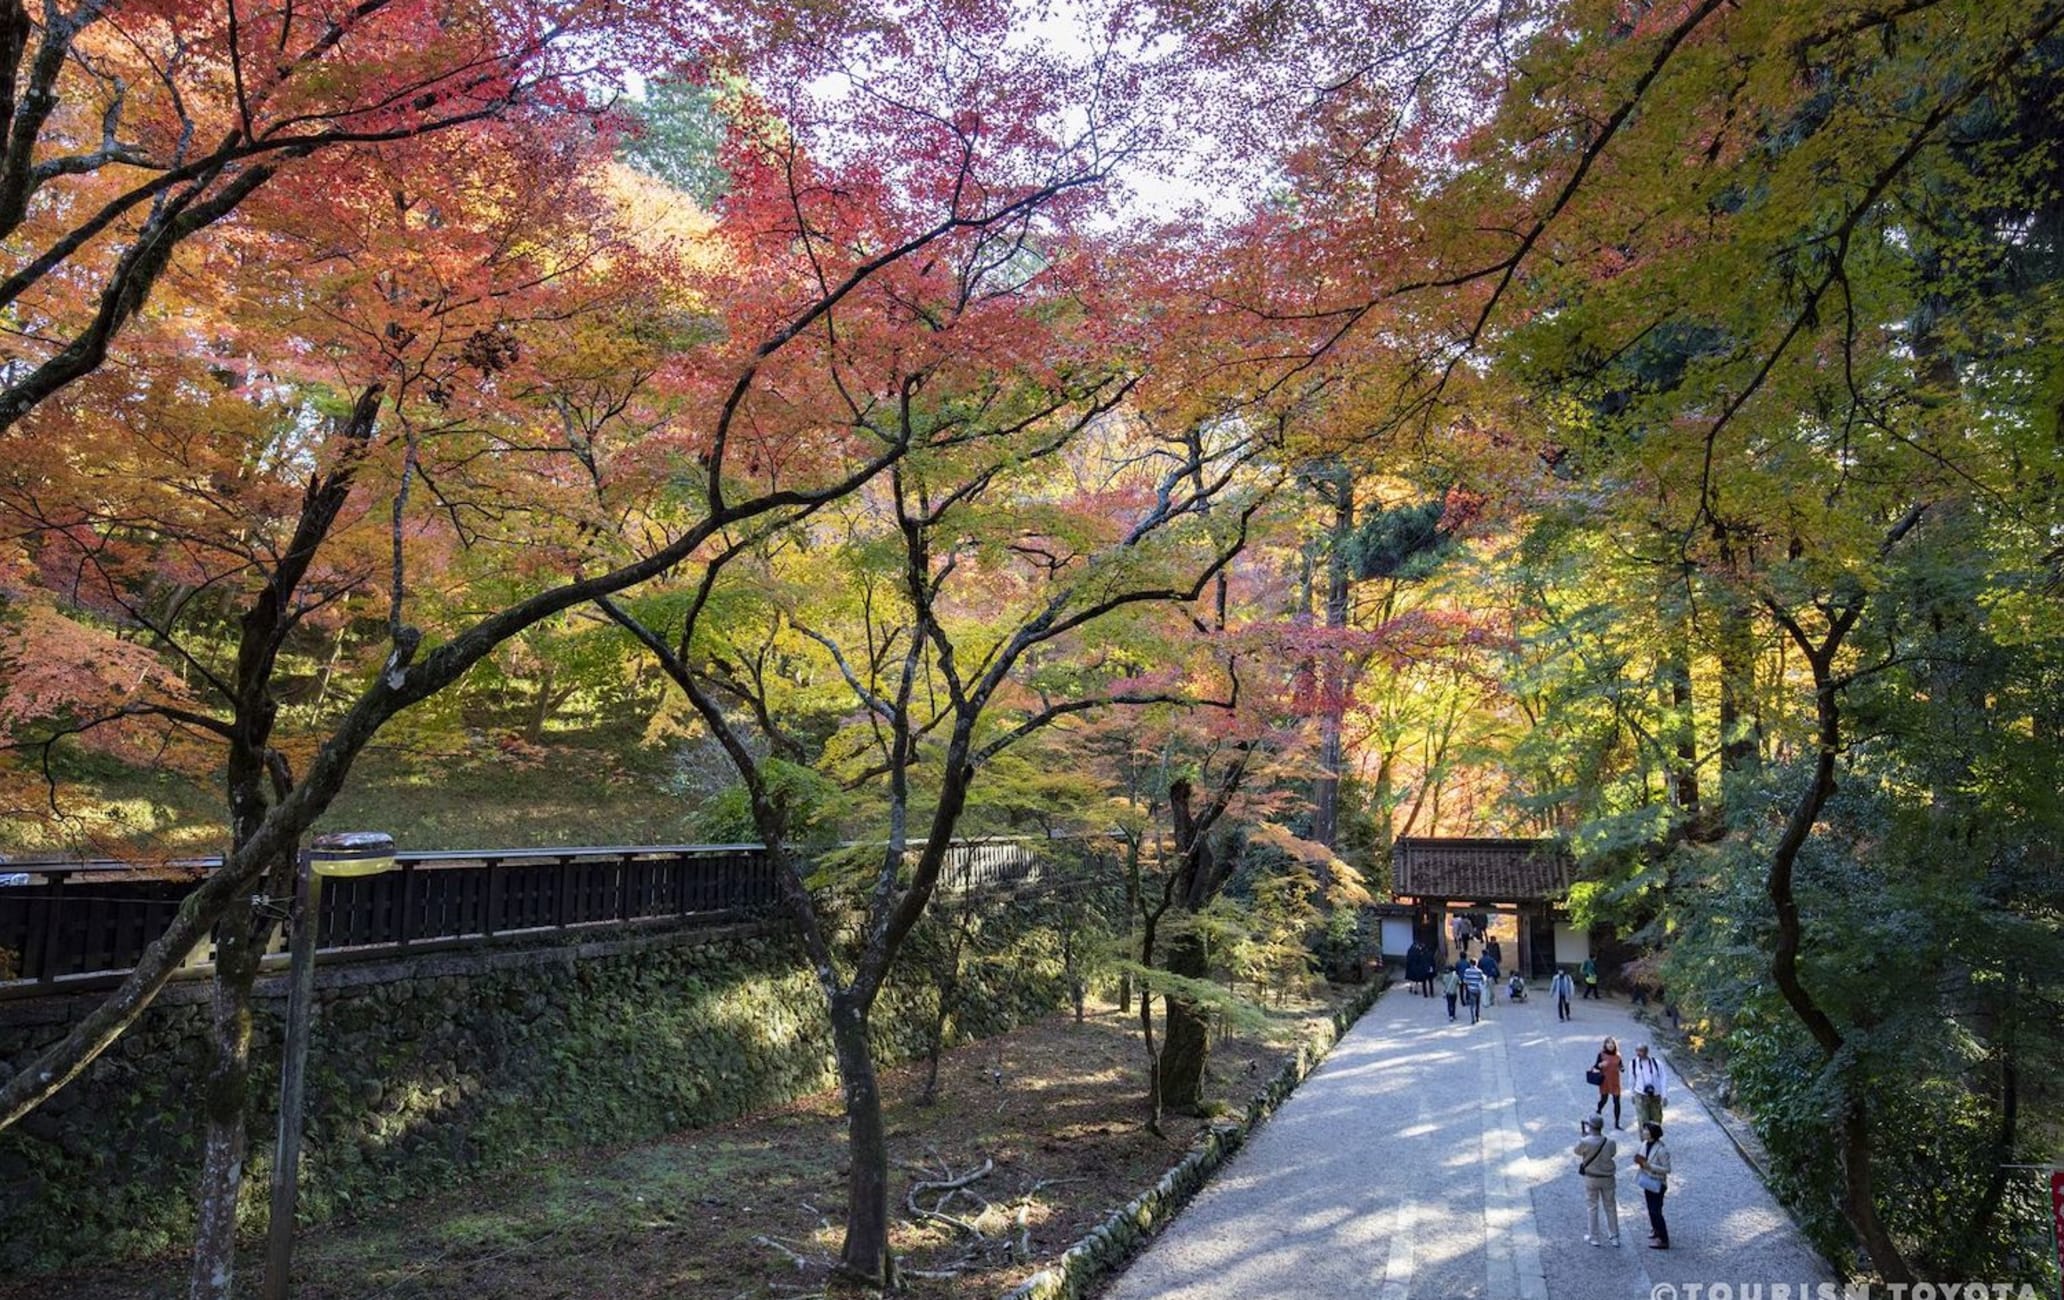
(68, 925)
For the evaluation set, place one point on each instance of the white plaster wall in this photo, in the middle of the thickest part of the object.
(1572, 945)
(1397, 936)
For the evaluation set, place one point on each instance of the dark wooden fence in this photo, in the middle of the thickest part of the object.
(84, 924)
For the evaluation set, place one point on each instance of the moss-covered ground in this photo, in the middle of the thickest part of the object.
(1058, 1106)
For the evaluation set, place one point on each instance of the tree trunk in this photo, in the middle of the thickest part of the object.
(1382, 801)
(865, 1255)
(1684, 784)
(1146, 1021)
(1739, 745)
(240, 941)
(1197, 879)
(223, 1100)
(2002, 1154)
(1150, 922)
(1333, 680)
(1132, 911)
(541, 705)
(1071, 966)
(1859, 1204)
(1186, 1042)
(241, 937)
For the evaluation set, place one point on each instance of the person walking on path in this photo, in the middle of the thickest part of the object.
(1415, 966)
(1562, 988)
(1472, 990)
(1595, 1155)
(1497, 954)
(1607, 1070)
(1489, 966)
(1450, 982)
(1654, 1181)
(1590, 978)
(1651, 1089)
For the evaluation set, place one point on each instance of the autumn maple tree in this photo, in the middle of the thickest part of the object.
(408, 334)
(133, 128)
(1030, 508)
(435, 370)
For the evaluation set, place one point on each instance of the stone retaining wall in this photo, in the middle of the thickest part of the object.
(427, 1071)
(1113, 1241)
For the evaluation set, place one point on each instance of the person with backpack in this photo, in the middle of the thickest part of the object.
(1449, 983)
(1653, 1178)
(1651, 1088)
(1473, 990)
(1562, 988)
(1595, 1155)
(1591, 979)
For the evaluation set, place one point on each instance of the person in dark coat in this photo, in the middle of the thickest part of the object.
(1415, 967)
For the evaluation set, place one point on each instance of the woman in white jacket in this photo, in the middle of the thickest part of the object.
(1653, 1162)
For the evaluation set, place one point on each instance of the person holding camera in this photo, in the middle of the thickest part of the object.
(1595, 1154)
(1653, 1164)
(1651, 1089)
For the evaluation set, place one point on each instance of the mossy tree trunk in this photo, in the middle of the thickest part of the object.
(1186, 1048)
(256, 778)
(1198, 876)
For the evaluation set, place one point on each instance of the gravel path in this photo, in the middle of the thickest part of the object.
(1425, 1159)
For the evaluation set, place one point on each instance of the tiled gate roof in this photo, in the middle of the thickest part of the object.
(1481, 870)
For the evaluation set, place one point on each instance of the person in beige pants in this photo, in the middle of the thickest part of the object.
(1595, 1155)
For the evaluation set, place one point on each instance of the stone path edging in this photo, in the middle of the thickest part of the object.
(1114, 1240)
